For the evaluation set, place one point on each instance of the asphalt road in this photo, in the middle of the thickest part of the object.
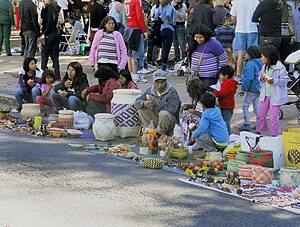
(45, 182)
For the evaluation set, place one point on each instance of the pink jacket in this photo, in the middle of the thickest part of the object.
(120, 46)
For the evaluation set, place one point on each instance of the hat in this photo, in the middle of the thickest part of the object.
(159, 75)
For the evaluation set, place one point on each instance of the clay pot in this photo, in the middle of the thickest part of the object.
(104, 127)
(30, 110)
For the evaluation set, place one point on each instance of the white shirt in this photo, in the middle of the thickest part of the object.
(243, 11)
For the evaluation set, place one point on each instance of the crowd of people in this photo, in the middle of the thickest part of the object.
(224, 42)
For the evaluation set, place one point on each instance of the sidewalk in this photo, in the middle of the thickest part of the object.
(10, 65)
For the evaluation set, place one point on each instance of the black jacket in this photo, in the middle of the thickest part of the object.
(203, 15)
(268, 14)
(50, 16)
(98, 13)
(29, 16)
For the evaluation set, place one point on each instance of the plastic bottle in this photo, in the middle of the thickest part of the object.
(151, 134)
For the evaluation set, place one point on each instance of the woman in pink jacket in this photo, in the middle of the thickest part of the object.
(108, 47)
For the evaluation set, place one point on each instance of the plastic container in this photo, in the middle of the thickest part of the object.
(151, 134)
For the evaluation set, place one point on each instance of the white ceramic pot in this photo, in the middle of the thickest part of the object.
(30, 110)
(104, 127)
(126, 119)
(66, 118)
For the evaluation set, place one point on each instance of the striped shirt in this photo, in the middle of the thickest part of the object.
(213, 59)
(225, 36)
(107, 51)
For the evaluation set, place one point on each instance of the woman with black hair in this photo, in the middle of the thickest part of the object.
(99, 96)
(126, 81)
(108, 47)
(29, 83)
(67, 94)
(206, 55)
(191, 113)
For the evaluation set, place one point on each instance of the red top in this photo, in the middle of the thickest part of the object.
(132, 85)
(104, 93)
(226, 93)
(135, 15)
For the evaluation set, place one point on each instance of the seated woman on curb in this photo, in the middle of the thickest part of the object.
(99, 96)
(29, 83)
(126, 81)
(67, 94)
(191, 113)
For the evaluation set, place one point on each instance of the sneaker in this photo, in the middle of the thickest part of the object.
(143, 71)
(244, 127)
(17, 110)
(135, 78)
(239, 78)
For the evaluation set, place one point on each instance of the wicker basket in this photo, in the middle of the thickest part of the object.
(153, 163)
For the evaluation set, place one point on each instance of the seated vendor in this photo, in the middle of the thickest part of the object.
(211, 134)
(159, 103)
(99, 96)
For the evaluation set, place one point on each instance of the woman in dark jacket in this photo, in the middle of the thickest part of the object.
(67, 94)
(51, 35)
(203, 14)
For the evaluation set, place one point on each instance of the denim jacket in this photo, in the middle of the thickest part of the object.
(278, 90)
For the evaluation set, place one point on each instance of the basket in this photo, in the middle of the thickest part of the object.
(153, 163)
(178, 153)
(262, 175)
(289, 177)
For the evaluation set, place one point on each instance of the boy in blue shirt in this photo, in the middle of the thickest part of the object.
(211, 134)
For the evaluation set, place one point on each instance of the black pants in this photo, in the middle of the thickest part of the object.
(51, 48)
(110, 65)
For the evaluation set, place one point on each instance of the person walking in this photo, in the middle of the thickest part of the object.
(29, 26)
(51, 35)
(6, 21)
(268, 14)
(246, 32)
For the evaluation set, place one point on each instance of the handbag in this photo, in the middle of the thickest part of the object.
(195, 74)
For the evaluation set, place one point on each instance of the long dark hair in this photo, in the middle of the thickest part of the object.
(199, 29)
(105, 21)
(47, 72)
(26, 63)
(78, 69)
(271, 53)
(127, 75)
(104, 73)
(196, 88)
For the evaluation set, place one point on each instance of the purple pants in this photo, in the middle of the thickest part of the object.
(44, 101)
(261, 118)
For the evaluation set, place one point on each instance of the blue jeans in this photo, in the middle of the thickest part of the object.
(250, 98)
(179, 41)
(143, 60)
(227, 115)
(70, 103)
(167, 36)
(30, 97)
(30, 43)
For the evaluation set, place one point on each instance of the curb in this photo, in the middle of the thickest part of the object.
(8, 99)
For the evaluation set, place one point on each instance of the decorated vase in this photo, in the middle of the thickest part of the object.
(30, 110)
(126, 118)
(104, 127)
(66, 118)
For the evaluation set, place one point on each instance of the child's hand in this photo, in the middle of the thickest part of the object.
(270, 80)
(241, 93)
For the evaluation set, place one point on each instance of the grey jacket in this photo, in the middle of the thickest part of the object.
(278, 90)
(169, 100)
